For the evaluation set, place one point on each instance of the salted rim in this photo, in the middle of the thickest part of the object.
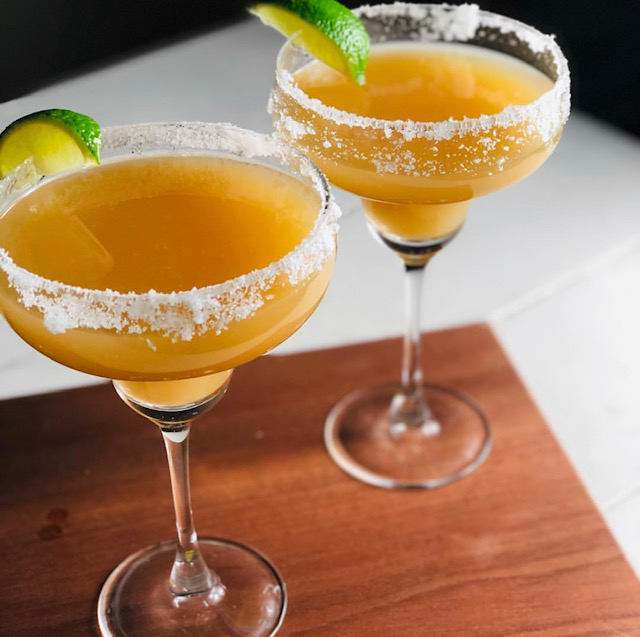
(451, 23)
(63, 304)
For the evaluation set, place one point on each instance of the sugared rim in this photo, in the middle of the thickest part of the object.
(179, 314)
(452, 23)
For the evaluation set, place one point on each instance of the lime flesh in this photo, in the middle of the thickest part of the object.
(324, 28)
(55, 139)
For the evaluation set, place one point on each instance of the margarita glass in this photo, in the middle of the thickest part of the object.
(162, 270)
(458, 103)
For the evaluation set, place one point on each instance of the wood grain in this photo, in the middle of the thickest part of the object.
(517, 548)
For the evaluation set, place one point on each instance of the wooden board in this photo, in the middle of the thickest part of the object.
(517, 548)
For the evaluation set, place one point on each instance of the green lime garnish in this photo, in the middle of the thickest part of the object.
(55, 139)
(324, 28)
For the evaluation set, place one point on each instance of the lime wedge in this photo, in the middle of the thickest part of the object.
(55, 139)
(324, 28)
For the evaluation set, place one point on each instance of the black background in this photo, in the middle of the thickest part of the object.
(42, 41)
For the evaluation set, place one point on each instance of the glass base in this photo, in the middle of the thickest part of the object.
(360, 438)
(249, 600)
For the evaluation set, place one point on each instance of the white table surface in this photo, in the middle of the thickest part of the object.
(553, 262)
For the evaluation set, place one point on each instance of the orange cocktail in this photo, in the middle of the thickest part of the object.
(168, 224)
(192, 248)
(427, 82)
(457, 103)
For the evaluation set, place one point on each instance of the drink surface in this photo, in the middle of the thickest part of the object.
(416, 82)
(428, 83)
(161, 223)
(167, 223)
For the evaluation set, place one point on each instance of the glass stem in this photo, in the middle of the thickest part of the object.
(409, 407)
(411, 367)
(189, 574)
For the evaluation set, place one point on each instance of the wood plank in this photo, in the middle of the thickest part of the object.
(517, 548)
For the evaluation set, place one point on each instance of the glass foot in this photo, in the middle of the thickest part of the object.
(249, 600)
(361, 439)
